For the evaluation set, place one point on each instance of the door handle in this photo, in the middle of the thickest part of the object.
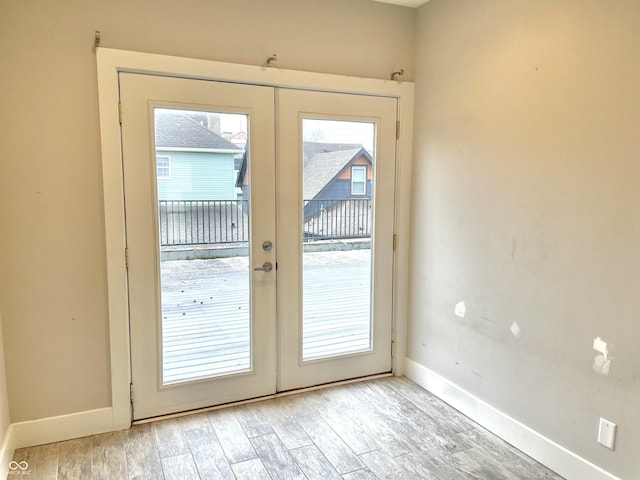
(266, 267)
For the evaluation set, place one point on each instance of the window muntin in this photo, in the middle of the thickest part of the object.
(163, 166)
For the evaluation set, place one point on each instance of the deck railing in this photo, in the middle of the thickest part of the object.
(337, 219)
(204, 222)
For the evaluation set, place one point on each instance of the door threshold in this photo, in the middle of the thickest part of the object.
(259, 399)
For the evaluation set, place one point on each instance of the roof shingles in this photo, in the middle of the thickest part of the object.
(322, 163)
(175, 130)
(322, 168)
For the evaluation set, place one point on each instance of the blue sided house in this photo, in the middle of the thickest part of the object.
(337, 174)
(192, 162)
(336, 189)
(331, 172)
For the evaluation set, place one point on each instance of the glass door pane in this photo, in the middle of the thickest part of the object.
(338, 160)
(203, 231)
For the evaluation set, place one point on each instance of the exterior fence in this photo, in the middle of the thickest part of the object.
(205, 222)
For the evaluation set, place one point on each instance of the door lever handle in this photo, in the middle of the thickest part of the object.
(266, 267)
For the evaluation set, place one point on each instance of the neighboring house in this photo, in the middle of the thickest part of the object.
(337, 194)
(192, 162)
(327, 171)
(196, 175)
(336, 189)
(338, 175)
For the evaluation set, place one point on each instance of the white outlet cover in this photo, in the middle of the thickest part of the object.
(607, 433)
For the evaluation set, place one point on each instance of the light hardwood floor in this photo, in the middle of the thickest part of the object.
(388, 428)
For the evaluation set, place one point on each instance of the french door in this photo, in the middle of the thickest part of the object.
(335, 306)
(259, 228)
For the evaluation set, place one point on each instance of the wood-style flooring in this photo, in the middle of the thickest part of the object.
(387, 428)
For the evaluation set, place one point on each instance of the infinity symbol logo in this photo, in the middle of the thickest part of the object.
(18, 466)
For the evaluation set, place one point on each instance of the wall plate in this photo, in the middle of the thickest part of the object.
(607, 433)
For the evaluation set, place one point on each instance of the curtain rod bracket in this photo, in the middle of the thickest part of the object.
(270, 60)
(399, 73)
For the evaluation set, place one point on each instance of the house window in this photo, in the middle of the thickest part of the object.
(163, 166)
(358, 180)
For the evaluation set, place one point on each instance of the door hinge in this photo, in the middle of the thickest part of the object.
(120, 112)
(393, 349)
(395, 241)
(397, 129)
(131, 393)
(126, 257)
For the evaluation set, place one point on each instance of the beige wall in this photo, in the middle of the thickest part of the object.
(525, 207)
(52, 248)
(4, 399)
(524, 188)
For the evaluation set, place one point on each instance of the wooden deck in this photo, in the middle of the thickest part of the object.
(206, 312)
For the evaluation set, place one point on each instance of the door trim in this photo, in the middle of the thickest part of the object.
(109, 63)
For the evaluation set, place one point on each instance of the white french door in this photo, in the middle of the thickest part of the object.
(259, 227)
(335, 306)
(194, 340)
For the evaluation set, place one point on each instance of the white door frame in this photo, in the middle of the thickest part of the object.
(109, 63)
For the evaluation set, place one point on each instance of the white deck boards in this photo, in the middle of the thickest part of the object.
(206, 312)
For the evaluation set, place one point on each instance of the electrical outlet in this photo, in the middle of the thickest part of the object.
(607, 433)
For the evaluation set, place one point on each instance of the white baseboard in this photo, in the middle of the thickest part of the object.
(6, 452)
(64, 427)
(538, 447)
(52, 429)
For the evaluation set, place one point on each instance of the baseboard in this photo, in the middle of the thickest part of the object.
(63, 427)
(538, 447)
(6, 452)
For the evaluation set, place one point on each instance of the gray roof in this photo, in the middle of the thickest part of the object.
(309, 149)
(177, 130)
(322, 168)
(322, 162)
